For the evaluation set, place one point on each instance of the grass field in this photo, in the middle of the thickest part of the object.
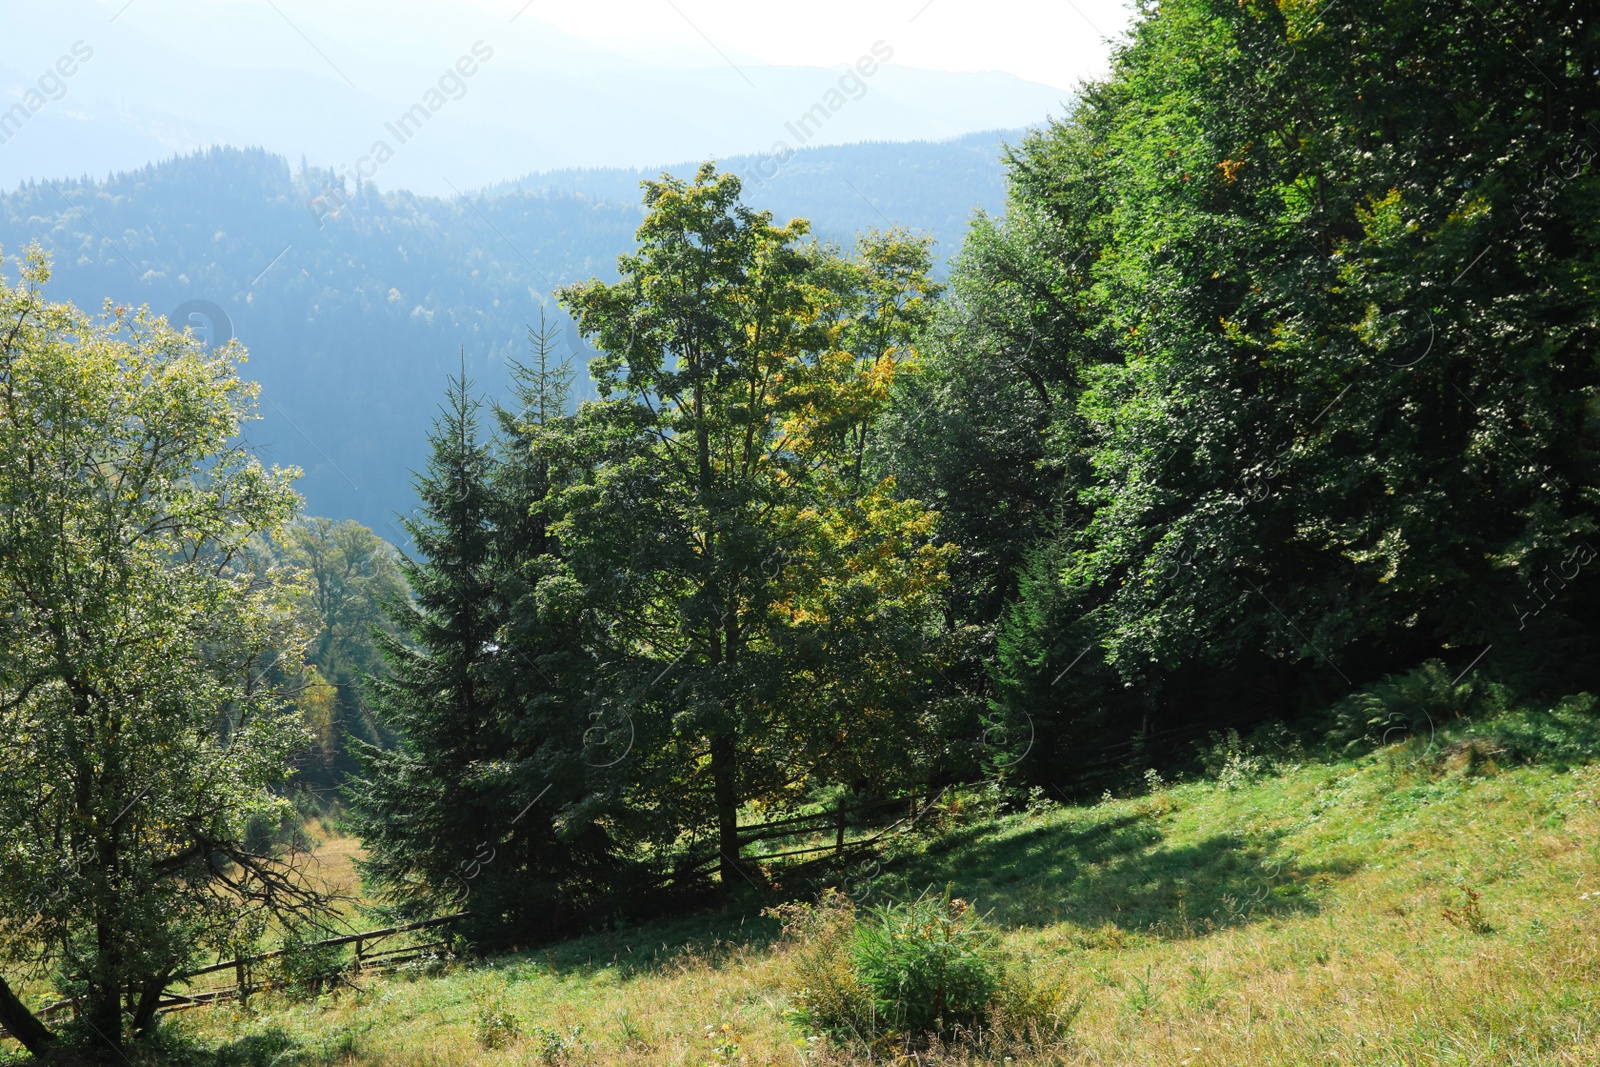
(1423, 904)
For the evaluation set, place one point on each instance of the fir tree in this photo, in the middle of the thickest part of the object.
(419, 803)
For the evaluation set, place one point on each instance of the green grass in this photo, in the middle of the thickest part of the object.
(1419, 905)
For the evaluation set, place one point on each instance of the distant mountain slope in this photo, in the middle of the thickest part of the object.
(492, 97)
(927, 185)
(356, 304)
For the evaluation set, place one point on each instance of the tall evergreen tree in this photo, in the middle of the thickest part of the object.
(424, 809)
(498, 796)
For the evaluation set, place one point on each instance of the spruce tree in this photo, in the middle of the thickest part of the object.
(495, 799)
(421, 809)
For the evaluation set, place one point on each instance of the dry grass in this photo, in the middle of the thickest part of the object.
(331, 868)
(1318, 917)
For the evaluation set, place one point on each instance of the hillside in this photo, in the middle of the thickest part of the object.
(356, 305)
(1425, 903)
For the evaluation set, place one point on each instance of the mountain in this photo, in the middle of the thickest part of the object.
(476, 100)
(356, 303)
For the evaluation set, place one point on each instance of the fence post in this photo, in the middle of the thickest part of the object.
(358, 956)
(243, 978)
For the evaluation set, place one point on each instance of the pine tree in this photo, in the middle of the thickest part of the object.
(496, 798)
(422, 809)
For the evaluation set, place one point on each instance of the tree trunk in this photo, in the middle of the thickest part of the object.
(144, 1013)
(103, 1014)
(726, 797)
(21, 1024)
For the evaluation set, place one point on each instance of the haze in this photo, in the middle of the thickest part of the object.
(620, 83)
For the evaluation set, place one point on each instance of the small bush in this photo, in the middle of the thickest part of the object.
(556, 1049)
(829, 996)
(430, 964)
(931, 969)
(496, 1027)
(1414, 704)
(306, 968)
(930, 965)
(1035, 1004)
(1236, 762)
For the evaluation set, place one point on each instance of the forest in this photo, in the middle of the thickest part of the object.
(1261, 426)
(356, 303)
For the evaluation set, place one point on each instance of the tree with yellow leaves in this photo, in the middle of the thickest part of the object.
(766, 599)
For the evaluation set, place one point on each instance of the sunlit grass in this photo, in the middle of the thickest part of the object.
(1319, 916)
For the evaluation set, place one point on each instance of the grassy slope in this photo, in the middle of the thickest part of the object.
(1312, 917)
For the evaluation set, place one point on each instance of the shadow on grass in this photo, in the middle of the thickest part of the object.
(1120, 873)
(172, 1047)
(713, 939)
(256, 1050)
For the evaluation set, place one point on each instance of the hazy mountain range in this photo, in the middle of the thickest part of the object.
(87, 89)
(356, 303)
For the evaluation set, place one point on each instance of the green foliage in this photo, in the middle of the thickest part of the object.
(306, 969)
(499, 798)
(827, 992)
(1268, 309)
(348, 576)
(364, 315)
(496, 1027)
(145, 675)
(1414, 704)
(555, 1048)
(768, 607)
(1565, 734)
(1234, 761)
(927, 969)
(930, 965)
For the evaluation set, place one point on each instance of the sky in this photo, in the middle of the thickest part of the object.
(1054, 43)
(556, 84)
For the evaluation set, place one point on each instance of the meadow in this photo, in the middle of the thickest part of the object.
(1431, 902)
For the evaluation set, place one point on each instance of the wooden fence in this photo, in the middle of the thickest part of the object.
(371, 957)
(245, 982)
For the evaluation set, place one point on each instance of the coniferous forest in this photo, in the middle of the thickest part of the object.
(1137, 636)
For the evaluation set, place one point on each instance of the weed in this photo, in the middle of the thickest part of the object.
(1236, 762)
(1144, 996)
(556, 1049)
(1467, 914)
(496, 1027)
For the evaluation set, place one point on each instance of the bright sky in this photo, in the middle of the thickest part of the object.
(1055, 42)
(1051, 42)
(572, 82)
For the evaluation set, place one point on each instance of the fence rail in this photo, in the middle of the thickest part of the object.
(243, 986)
(810, 824)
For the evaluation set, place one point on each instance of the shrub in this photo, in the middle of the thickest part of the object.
(1414, 704)
(1234, 761)
(929, 965)
(555, 1048)
(828, 995)
(929, 969)
(1034, 1004)
(496, 1026)
(306, 968)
